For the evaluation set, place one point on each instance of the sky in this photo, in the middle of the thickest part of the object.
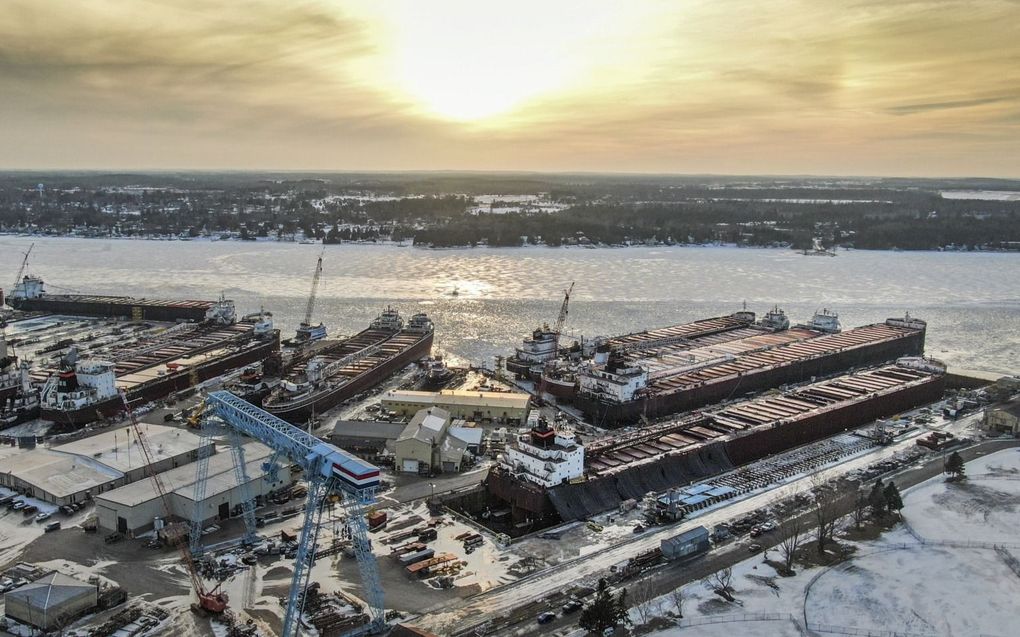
(855, 87)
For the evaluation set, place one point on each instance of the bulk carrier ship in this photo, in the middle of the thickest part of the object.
(30, 295)
(18, 401)
(182, 356)
(333, 375)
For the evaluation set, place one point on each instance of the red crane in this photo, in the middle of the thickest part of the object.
(210, 601)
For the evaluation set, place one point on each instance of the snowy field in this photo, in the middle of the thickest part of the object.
(983, 508)
(895, 584)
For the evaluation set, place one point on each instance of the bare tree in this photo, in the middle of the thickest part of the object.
(791, 533)
(644, 600)
(679, 599)
(831, 505)
(860, 510)
(721, 583)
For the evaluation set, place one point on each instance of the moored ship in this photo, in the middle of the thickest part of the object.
(30, 295)
(332, 376)
(87, 390)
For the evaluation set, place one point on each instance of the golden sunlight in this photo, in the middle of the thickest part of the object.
(474, 61)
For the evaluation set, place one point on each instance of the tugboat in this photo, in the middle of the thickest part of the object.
(435, 374)
(826, 321)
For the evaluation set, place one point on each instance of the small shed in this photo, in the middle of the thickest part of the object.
(690, 542)
(51, 602)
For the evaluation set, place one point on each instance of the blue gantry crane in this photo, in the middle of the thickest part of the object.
(328, 471)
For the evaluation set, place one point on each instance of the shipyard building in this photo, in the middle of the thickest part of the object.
(83, 469)
(433, 442)
(134, 508)
(505, 407)
(51, 602)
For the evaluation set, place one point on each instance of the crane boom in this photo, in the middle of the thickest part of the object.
(561, 319)
(21, 270)
(211, 601)
(315, 287)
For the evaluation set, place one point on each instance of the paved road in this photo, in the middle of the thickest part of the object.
(669, 577)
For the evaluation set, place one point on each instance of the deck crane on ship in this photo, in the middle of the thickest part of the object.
(307, 332)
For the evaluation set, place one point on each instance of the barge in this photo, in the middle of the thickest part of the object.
(30, 296)
(361, 362)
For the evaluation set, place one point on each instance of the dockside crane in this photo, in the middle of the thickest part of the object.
(329, 472)
(212, 600)
(305, 332)
(21, 269)
(561, 320)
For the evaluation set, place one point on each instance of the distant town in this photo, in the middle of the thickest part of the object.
(815, 215)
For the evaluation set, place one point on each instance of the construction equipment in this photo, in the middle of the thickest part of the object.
(561, 319)
(209, 601)
(195, 419)
(306, 332)
(21, 270)
(328, 471)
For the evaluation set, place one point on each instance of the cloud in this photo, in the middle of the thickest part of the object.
(696, 86)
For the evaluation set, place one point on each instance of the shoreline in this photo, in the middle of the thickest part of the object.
(395, 244)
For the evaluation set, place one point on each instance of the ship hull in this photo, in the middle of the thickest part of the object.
(518, 367)
(300, 411)
(606, 414)
(162, 386)
(115, 306)
(562, 389)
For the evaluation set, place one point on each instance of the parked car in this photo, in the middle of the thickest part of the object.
(52, 526)
(546, 617)
(754, 548)
(18, 505)
(42, 517)
(30, 509)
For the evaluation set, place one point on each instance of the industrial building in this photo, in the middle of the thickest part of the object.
(51, 602)
(1004, 418)
(433, 442)
(132, 509)
(505, 407)
(366, 438)
(78, 470)
(690, 542)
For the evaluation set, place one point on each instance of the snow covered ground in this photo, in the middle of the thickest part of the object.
(896, 584)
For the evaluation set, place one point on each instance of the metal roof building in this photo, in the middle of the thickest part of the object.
(469, 405)
(84, 468)
(133, 508)
(50, 602)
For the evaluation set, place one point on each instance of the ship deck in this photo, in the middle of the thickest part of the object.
(696, 429)
(776, 355)
(695, 329)
(697, 350)
(182, 345)
(127, 300)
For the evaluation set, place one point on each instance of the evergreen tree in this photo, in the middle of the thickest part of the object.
(955, 467)
(876, 499)
(604, 611)
(893, 501)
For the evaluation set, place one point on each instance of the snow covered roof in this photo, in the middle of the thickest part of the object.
(119, 449)
(428, 425)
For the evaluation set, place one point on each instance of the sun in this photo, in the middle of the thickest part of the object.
(477, 61)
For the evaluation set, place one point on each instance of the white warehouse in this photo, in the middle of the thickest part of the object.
(132, 509)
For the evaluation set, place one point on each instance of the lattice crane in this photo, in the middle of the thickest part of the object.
(211, 601)
(21, 269)
(328, 470)
(561, 319)
(305, 331)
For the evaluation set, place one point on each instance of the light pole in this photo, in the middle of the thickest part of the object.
(433, 495)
